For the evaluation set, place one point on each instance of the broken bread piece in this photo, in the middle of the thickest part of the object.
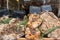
(32, 32)
(50, 21)
(34, 21)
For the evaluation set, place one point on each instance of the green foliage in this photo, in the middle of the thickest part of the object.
(49, 31)
(23, 22)
(6, 21)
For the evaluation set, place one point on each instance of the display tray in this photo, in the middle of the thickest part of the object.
(34, 9)
(46, 8)
(41, 39)
(4, 12)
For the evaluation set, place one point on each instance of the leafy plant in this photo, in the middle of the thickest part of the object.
(23, 22)
(5, 21)
(49, 31)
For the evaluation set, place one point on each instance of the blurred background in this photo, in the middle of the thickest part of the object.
(24, 5)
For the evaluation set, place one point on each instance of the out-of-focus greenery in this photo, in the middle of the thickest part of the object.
(49, 31)
(6, 21)
(23, 22)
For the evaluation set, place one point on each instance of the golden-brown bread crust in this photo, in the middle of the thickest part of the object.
(32, 32)
(34, 21)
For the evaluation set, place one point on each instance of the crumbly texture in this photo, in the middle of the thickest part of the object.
(50, 21)
(32, 32)
(9, 31)
(14, 30)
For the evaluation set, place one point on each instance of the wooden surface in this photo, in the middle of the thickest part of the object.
(51, 39)
(21, 39)
(42, 39)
